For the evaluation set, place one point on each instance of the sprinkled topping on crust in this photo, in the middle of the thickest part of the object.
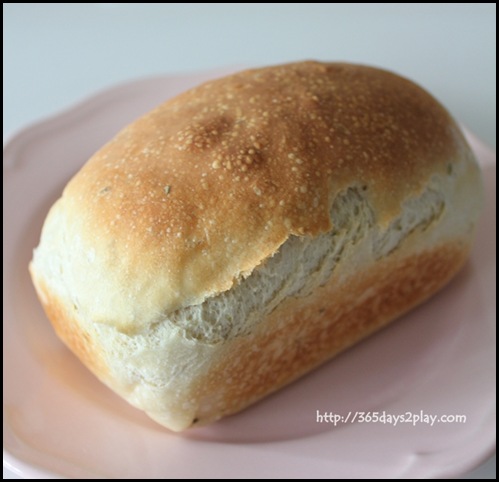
(254, 158)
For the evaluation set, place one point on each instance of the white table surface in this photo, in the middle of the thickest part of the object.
(55, 55)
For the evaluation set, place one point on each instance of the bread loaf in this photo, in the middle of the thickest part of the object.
(246, 231)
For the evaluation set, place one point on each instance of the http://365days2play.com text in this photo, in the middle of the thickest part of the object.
(386, 418)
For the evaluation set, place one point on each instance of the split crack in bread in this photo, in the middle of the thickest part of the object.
(249, 229)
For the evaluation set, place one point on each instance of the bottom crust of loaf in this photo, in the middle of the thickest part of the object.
(300, 334)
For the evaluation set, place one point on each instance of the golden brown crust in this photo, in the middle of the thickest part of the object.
(68, 328)
(300, 335)
(208, 185)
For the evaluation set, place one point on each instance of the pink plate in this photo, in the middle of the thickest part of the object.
(58, 419)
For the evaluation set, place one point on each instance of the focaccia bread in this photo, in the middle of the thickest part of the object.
(246, 231)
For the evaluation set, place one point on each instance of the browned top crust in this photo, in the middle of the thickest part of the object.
(197, 193)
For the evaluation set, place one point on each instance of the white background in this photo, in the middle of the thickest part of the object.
(55, 55)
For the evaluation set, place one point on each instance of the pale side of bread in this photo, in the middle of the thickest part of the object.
(246, 231)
